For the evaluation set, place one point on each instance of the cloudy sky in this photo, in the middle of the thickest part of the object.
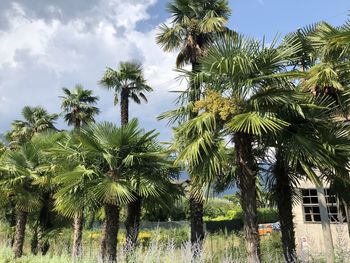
(49, 44)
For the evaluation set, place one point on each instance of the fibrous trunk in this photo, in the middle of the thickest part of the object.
(21, 221)
(132, 223)
(284, 203)
(247, 172)
(197, 227)
(124, 106)
(195, 202)
(77, 249)
(110, 233)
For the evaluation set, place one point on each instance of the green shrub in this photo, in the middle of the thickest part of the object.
(217, 207)
(267, 215)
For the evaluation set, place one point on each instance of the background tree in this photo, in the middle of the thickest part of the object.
(194, 25)
(127, 82)
(79, 109)
(22, 172)
(36, 120)
(78, 106)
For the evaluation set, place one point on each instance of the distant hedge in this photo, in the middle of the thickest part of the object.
(224, 225)
(234, 220)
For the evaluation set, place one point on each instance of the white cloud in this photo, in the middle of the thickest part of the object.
(40, 52)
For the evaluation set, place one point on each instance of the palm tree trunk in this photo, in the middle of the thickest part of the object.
(124, 106)
(132, 223)
(196, 205)
(21, 221)
(196, 218)
(34, 241)
(12, 223)
(246, 172)
(43, 243)
(78, 223)
(77, 249)
(44, 224)
(110, 233)
(284, 203)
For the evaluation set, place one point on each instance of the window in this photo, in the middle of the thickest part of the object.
(311, 208)
(336, 210)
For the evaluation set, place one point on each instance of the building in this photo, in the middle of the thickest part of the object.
(321, 222)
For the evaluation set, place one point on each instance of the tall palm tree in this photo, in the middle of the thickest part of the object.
(78, 106)
(194, 25)
(36, 120)
(127, 82)
(304, 146)
(117, 153)
(79, 109)
(249, 80)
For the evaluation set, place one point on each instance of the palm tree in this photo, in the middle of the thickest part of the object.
(128, 82)
(117, 153)
(249, 80)
(151, 183)
(36, 120)
(329, 76)
(194, 25)
(305, 145)
(77, 104)
(21, 176)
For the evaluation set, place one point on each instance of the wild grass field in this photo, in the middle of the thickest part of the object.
(159, 245)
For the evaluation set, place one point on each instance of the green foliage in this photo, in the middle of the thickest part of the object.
(193, 27)
(78, 106)
(216, 207)
(129, 77)
(265, 215)
(36, 120)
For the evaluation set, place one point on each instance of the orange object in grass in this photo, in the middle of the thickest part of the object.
(265, 229)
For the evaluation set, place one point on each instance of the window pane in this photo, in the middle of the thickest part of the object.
(308, 218)
(332, 199)
(316, 209)
(313, 192)
(334, 218)
(317, 218)
(333, 210)
(314, 200)
(306, 200)
(305, 192)
(307, 210)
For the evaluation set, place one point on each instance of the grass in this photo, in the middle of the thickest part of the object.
(160, 245)
(157, 245)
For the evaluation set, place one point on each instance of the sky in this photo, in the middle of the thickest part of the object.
(49, 44)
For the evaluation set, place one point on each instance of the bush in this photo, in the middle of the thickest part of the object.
(233, 220)
(217, 207)
(267, 215)
(177, 212)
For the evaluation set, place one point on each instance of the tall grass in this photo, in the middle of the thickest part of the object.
(166, 246)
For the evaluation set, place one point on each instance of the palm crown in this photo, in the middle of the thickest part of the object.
(127, 82)
(193, 26)
(77, 104)
(36, 120)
